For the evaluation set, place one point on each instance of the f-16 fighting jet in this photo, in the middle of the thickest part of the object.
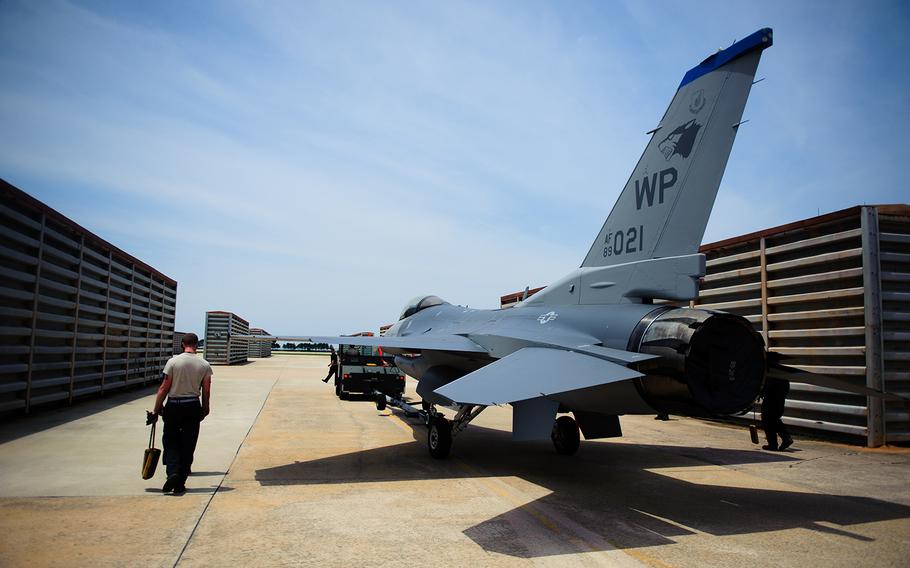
(594, 344)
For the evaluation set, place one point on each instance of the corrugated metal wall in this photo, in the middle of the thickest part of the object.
(77, 315)
(814, 291)
(178, 342)
(221, 347)
(894, 255)
(259, 348)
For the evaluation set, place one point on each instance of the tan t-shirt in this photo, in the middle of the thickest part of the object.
(186, 371)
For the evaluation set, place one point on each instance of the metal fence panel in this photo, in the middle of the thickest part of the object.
(78, 316)
(221, 345)
(259, 348)
(831, 294)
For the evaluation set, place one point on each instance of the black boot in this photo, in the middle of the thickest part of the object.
(171, 483)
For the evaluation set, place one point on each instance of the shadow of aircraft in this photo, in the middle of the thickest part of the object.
(614, 493)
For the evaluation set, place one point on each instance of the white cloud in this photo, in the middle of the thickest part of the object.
(328, 161)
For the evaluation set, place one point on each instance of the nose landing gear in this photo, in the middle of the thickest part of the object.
(441, 431)
(439, 437)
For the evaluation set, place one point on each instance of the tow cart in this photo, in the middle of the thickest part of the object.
(364, 370)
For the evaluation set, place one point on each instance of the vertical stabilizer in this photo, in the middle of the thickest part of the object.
(664, 208)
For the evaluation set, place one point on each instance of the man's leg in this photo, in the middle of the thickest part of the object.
(170, 439)
(189, 433)
(183, 446)
(768, 424)
(786, 439)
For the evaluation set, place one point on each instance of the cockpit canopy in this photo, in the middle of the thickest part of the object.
(420, 303)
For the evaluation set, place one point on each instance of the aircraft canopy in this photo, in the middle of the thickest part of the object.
(420, 303)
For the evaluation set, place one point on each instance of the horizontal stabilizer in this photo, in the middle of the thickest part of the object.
(415, 342)
(503, 345)
(615, 355)
(791, 374)
(532, 372)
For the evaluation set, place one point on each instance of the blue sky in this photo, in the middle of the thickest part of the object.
(312, 165)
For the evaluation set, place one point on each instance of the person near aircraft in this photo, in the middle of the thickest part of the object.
(333, 365)
(774, 395)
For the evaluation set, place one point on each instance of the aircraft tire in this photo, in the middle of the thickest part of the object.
(439, 437)
(380, 402)
(565, 436)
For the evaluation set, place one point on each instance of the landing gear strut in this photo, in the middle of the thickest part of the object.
(565, 436)
(441, 431)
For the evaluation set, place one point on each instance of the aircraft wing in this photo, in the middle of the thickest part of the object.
(532, 372)
(415, 342)
(571, 341)
(497, 345)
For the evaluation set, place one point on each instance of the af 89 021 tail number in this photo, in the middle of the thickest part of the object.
(624, 242)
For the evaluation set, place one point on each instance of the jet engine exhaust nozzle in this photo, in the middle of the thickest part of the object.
(711, 363)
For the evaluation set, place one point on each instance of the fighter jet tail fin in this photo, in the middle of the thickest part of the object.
(664, 207)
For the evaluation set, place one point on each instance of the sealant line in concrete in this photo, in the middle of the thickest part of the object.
(220, 483)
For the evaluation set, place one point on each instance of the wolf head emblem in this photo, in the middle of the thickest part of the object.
(680, 141)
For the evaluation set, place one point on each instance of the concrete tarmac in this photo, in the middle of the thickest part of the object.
(288, 475)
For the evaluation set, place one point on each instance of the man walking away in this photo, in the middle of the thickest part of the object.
(772, 409)
(186, 376)
(333, 365)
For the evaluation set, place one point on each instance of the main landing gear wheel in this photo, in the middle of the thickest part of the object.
(380, 402)
(565, 436)
(439, 438)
